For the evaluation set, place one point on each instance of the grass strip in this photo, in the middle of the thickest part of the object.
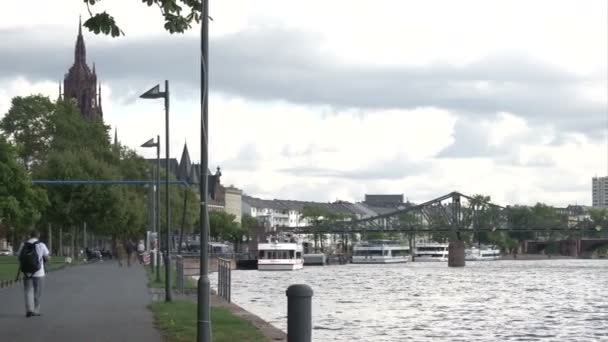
(10, 264)
(177, 320)
(189, 283)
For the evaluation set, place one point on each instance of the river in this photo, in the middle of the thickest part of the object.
(548, 300)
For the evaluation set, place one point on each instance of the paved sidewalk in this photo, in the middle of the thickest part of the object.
(94, 302)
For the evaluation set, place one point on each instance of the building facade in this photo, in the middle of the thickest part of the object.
(233, 202)
(288, 213)
(80, 83)
(599, 189)
(220, 198)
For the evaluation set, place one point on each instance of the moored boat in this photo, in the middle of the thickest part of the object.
(380, 252)
(483, 253)
(283, 253)
(431, 251)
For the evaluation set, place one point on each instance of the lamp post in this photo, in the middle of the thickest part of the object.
(156, 206)
(203, 328)
(155, 93)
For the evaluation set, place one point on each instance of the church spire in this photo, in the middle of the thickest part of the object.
(116, 137)
(80, 83)
(99, 99)
(80, 54)
(59, 98)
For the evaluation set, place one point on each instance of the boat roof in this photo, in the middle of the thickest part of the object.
(279, 245)
(372, 243)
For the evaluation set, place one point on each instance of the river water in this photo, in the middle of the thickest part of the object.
(548, 300)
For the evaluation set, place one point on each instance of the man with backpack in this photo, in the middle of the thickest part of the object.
(32, 256)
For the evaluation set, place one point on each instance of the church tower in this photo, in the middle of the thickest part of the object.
(80, 83)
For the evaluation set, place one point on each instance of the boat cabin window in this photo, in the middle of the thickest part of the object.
(400, 252)
(298, 255)
(291, 253)
(385, 252)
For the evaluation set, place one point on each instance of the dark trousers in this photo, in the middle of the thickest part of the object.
(33, 291)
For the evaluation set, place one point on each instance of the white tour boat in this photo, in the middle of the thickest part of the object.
(380, 252)
(280, 254)
(431, 251)
(482, 254)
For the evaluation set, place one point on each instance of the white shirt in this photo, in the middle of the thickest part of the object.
(42, 251)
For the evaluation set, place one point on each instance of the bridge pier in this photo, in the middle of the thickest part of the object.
(586, 255)
(456, 254)
(571, 247)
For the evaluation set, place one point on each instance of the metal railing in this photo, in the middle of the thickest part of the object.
(223, 278)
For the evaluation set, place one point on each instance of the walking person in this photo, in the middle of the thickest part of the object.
(32, 255)
(141, 249)
(130, 248)
(119, 252)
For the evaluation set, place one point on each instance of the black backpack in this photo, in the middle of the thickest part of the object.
(28, 258)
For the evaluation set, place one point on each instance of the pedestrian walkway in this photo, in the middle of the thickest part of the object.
(94, 302)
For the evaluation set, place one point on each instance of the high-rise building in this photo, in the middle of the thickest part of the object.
(80, 83)
(599, 187)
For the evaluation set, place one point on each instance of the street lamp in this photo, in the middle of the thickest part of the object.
(155, 93)
(156, 207)
(203, 328)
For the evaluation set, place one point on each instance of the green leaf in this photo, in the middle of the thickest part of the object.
(103, 22)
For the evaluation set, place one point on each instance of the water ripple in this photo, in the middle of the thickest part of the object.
(556, 300)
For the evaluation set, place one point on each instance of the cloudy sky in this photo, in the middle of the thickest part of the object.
(325, 100)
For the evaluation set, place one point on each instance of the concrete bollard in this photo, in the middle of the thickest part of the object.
(299, 313)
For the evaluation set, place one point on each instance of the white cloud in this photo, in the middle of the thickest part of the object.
(22, 87)
(513, 159)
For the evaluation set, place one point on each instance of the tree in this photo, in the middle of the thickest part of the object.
(27, 124)
(520, 219)
(171, 10)
(222, 225)
(318, 216)
(248, 222)
(20, 202)
(599, 221)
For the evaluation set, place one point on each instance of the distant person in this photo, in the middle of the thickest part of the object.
(129, 248)
(106, 254)
(119, 252)
(32, 256)
(141, 249)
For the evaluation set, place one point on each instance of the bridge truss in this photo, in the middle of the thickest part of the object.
(454, 212)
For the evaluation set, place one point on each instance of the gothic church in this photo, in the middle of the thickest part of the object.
(80, 83)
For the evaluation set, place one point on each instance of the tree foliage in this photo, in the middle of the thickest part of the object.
(178, 15)
(27, 124)
(20, 202)
(65, 146)
(223, 227)
(248, 222)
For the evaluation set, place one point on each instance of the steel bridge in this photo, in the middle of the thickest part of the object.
(454, 212)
